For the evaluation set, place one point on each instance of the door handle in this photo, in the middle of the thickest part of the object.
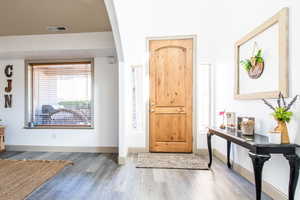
(152, 110)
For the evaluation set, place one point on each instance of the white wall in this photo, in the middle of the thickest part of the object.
(105, 133)
(123, 125)
(158, 18)
(57, 41)
(218, 25)
(57, 45)
(276, 170)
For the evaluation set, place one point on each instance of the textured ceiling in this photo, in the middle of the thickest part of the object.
(29, 17)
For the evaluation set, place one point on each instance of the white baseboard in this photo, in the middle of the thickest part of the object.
(266, 187)
(61, 149)
(137, 150)
(201, 152)
(122, 160)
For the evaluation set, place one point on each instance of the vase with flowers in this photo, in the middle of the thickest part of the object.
(282, 115)
(222, 113)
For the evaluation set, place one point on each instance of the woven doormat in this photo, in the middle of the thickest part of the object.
(18, 178)
(171, 161)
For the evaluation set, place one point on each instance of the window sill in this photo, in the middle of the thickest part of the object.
(57, 127)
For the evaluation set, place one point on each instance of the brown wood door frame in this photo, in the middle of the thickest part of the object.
(194, 114)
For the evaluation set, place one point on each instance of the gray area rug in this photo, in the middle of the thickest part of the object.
(171, 161)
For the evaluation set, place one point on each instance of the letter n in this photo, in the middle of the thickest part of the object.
(8, 100)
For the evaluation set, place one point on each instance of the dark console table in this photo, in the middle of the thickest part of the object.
(260, 151)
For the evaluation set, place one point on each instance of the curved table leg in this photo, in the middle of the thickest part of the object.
(209, 149)
(258, 163)
(294, 162)
(228, 153)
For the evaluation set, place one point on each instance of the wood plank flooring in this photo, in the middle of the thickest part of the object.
(96, 176)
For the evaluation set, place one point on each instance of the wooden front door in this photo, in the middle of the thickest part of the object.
(171, 89)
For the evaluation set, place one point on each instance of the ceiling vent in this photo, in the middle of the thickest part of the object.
(56, 28)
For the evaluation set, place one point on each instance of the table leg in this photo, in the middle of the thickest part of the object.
(294, 162)
(209, 149)
(228, 153)
(258, 163)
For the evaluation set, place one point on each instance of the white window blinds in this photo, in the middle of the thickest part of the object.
(61, 94)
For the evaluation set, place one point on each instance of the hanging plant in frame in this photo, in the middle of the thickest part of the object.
(255, 64)
(261, 69)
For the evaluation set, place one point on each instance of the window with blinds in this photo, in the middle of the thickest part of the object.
(60, 94)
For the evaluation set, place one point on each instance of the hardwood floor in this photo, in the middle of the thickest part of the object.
(97, 177)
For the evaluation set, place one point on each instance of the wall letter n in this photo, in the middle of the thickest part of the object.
(8, 100)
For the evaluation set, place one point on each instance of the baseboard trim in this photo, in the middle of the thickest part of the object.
(62, 149)
(137, 150)
(221, 156)
(266, 187)
(122, 160)
(201, 152)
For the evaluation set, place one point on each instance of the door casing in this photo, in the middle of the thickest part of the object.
(194, 121)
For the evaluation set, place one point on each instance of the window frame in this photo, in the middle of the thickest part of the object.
(29, 92)
(137, 73)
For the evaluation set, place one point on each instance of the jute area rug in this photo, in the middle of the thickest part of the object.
(171, 161)
(18, 178)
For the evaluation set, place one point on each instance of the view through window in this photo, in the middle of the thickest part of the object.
(60, 94)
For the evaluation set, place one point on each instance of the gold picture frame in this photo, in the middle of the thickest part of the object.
(281, 18)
